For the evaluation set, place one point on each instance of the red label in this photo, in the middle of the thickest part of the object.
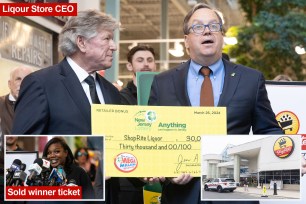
(283, 152)
(43, 192)
(38, 9)
(303, 142)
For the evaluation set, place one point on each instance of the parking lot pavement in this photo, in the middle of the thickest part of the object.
(281, 194)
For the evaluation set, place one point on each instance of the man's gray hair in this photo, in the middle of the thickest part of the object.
(87, 24)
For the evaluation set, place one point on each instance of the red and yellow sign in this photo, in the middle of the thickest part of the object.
(289, 122)
(283, 147)
(303, 142)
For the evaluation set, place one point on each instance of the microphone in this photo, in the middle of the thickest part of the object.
(62, 174)
(10, 172)
(18, 178)
(55, 178)
(46, 163)
(35, 169)
(45, 171)
(23, 167)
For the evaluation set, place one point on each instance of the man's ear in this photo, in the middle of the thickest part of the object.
(81, 43)
(186, 41)
(129, 66)
(9, 83)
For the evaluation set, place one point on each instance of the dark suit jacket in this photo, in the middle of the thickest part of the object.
(52, 101)
(6, 114)
(245, 96)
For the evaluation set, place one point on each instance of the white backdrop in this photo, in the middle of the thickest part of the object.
(290, 96)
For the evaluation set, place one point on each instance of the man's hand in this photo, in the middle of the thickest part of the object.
(182, 179)
(153, 180)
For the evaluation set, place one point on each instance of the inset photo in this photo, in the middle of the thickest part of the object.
(54, 167)
(250, 167)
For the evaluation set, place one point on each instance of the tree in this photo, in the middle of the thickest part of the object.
(268, 41)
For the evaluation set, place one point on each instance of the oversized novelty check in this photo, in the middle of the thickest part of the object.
(149, 141)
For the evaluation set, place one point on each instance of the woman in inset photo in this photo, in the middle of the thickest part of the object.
(82, 157)
(59, 154)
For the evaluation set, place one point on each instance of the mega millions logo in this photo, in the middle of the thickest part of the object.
(289, 122)
(283, 147)
(126, 162)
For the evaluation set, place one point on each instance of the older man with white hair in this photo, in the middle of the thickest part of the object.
(7, 102)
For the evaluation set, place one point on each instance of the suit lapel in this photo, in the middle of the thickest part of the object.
(231, 79)
(180, 83)
(75, 89)
(105, 92)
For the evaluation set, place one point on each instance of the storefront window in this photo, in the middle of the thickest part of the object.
(286, 173)
(295, 179)
(269, 178)
(295, 172)
(262, 173)
(286, 179)
(287, 176)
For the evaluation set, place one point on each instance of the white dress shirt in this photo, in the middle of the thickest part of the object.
(82, 75)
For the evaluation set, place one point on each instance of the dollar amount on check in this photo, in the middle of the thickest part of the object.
(148, 141)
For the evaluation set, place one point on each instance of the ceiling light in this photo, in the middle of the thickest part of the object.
(134, 44)
(178, 50)
(192, 2)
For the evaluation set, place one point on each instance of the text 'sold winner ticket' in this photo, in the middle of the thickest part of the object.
(149, 141)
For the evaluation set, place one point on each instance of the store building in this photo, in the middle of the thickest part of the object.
(262, 162)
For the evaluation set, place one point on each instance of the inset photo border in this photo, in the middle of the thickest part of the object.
(52, 168)
(251, 167)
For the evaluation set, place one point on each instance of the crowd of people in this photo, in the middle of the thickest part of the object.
(56, 100)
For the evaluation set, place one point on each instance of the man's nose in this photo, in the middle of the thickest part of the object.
(113, 45)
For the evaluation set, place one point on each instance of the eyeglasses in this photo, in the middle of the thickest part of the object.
(200, 28)
(81, 153)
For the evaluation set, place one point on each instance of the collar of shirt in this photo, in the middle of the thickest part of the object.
(195, 80)
(11, 98)
(216, 68)
(79, 71)
(82, 75)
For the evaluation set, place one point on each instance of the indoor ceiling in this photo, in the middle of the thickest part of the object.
(141, 19)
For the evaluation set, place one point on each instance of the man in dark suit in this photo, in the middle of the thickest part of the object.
(56, 100)
(240, 89)
(7, 102)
